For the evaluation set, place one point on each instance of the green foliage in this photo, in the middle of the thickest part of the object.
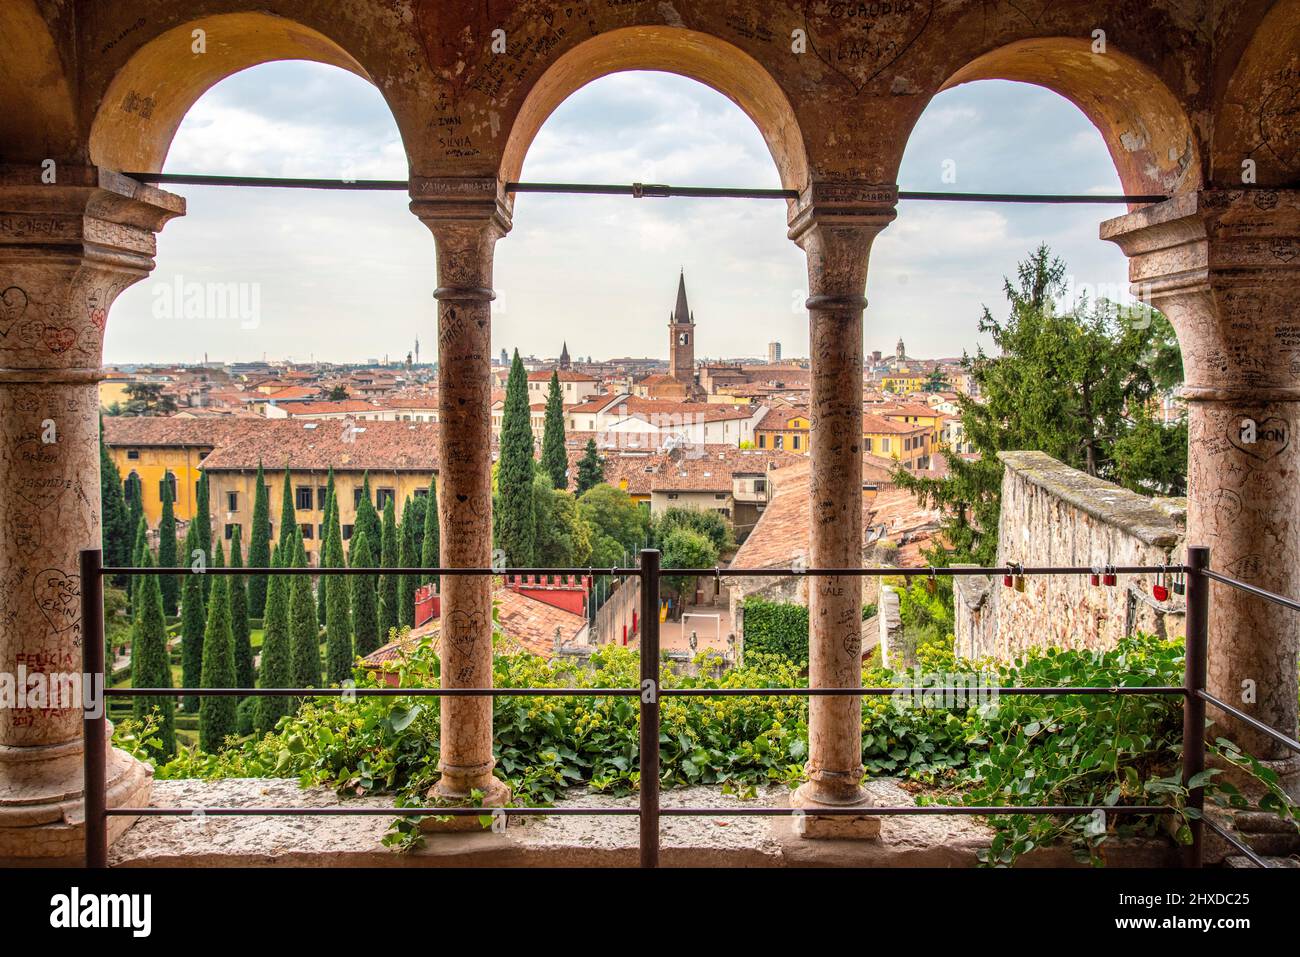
(338, 605)
(203, 522)
(365, 593)
(193, 619)
(708, 522)
(304, 628)
(217, 714)
(277, 650)
(591, 469)
(686, 548)
(514, 520)
(431, 542)
(367, 519)
(555, 460)
(388, 586)
(619, 526)
(116, 539)
(1077, 386)
(406, 558)
(259, 545)
(563, 538)
(288, 517)
(776, 628)
(239, 628)
(170, 584)
(151, 665)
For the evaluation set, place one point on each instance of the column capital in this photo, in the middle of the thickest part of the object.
(467, 215)
(1220, 236)
(851, 204)
(1224, 266)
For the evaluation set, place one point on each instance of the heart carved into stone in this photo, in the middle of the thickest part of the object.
(861, 41)
(58, 596)
(1264, 439)
(464, 629)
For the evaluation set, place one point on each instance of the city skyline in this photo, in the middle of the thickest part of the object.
(309, 267)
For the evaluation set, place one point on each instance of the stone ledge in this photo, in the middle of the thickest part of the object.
(1152, 521)
(932, 841)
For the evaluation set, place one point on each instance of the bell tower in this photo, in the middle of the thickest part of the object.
(681, 338)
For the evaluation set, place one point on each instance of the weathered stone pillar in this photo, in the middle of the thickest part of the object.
(835, 224)
(67, 249)
(466, 217)
(1224, 266)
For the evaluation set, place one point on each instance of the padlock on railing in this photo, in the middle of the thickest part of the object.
(1159, 590)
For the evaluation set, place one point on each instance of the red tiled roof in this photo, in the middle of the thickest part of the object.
(345, 446)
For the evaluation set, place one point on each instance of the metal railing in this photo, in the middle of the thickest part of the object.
(1193, 691)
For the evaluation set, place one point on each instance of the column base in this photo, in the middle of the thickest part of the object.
(495, 794)
(810, 825)
(42, 813)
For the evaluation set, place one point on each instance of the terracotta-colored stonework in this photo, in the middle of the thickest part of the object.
(1194, 99)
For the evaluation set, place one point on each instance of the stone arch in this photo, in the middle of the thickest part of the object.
(1145, 127)
(1256, 118)
(146, 100)
(38, 118)
(697, 56)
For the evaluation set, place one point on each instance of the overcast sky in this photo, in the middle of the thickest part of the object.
(350, 276)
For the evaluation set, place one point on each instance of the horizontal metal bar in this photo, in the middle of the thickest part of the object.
(887, 811)
(864, 572)
(246, 572)
(1252, 589)
(621, 692)
(658, 190)
(1231, 839)
(1255, 723)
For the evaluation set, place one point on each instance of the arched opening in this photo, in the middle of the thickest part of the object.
(1145, 128)
(149, 97)
(697, 56)
(601, 273)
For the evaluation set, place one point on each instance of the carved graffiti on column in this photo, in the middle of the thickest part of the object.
(464, 630)
(859, 41)
(1279, 121)
(58, 596)
(1262, 439)
(13, 304)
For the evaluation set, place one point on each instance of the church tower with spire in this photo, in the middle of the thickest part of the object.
(681, 338)
(565, 361)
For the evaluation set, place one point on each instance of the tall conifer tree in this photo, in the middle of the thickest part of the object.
(259, 545)
(429, 547)
(365, 594)
(388, 551)
(217, 713)
(239, 627)
(193, 624)
(555, 460)
(276, 669)
(150, 664)
(515, 522)
(169, 585)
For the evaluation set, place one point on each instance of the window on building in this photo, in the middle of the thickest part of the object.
(204, 454)
(322, 494)
(762, 441)
(307, 530)
(383, 496)
(168, 481)
(133, 454)
(884, 445)
(866, 444)
(421, 492)
(356, 495)
(760, 485)
(131, 486)
(347, 532)
(796, 441)
(721, 496)
(302, 498)
(672, 495)
(230, 531)
(232, 501)
(778, 441)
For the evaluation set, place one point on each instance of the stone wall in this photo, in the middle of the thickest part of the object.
(1056, 515)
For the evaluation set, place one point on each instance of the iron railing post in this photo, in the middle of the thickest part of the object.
(649, 752)
(94, 718)
(1195, 661)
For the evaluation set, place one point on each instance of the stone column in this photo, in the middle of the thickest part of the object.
(466, 217)
(67, 248)
(1224, 266)
(835, 224)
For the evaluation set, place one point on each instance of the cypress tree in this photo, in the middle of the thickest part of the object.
(515, 522)
(416, 505)
(367, 518)
(203, 519)
(169, 585)
(591, 471)
(217, 714)
(276, 669)
(555, 461)
(388, 590)
(288, 518)
(134, 508)
(365, 591)
(139, 550)
(116, 527)
(259, 546)
(150, 665)
(323, 581)
(406, 558)
(193, 623)
(304, 629)
(338, 607)
(430, 554)
(239, 628)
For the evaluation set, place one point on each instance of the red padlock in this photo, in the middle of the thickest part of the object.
(1007, 580)
(1159, 590)
(1095, 577)
(1110, 578)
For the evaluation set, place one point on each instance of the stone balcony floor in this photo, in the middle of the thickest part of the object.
(933, 841)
